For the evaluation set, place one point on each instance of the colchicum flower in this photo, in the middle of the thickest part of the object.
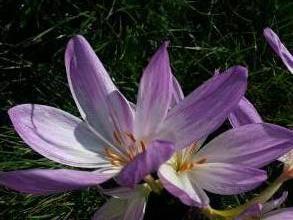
(287, 58)
(114, 137)
(245, 114)
(227, 164)
(264, 211)
(279, 48)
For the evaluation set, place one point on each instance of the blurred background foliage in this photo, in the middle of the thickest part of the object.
(205, 35)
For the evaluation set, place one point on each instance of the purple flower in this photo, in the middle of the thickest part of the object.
(279, 48)
(226, 165)
(245, 113)
(115, 137)
(264, 211)
(125, 204)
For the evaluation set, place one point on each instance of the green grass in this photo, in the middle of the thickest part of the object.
(204, 35)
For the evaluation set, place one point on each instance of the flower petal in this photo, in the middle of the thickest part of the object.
(57, 135)
(149, 161)
(253, 145)
(268, 206)
(245, 113)
(284, 214)
(180, 186)
(119, 192)
(131, 207)
(227, 179)
(205, 109)
(155, 93)
(279, 48)
(43, 181)
(90, 85)
(121, 112)
(178, 95)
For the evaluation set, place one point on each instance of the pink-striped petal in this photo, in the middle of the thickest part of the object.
(155, 93)
(205, 109)
(149, 161)
(58, 135)
(245, 113)
(227, 179)
(279, 48)
(90, 85)
(253, 145)
(44, 181)
(180, 185)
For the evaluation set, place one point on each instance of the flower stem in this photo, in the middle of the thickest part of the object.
(263, 197)
(153, 184)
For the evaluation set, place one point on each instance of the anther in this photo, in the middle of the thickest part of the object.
(142, 146)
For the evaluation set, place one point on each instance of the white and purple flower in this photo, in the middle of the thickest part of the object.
(114, 137)
(244, 114)
(227, 164)
(279, 48)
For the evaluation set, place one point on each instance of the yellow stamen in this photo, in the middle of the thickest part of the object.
(130, 136)
(127, 147)
(143, 147)
(115, 158)
(117, 137)
(191, 165)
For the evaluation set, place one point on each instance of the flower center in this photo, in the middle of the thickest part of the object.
(183, 161)
(127, 148)
(191, 165)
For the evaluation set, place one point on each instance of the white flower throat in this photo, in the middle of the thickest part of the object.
(183, 159)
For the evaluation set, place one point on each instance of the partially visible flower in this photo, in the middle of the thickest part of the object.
(287, 58)
(226, 165)
(114, 137)
(126, 203)
(279, 48)
(264, 211)
(245, 113)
